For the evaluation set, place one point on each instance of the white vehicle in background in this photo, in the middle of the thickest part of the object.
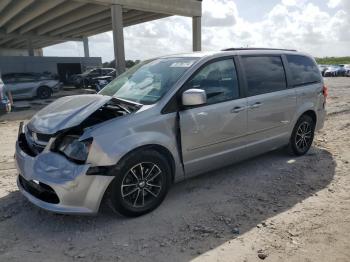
(30, 85)
(323, 68)
(347, 72)
(335, 70)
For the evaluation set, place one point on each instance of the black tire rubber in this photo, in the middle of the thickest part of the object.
(44, 92)
(292, 147)
(120, 171)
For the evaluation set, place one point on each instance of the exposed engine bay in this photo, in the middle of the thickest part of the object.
(114, 108)
(66, 141)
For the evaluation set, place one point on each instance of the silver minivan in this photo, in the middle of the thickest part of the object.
(166, 120)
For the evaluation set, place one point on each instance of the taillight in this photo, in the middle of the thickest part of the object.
(325, 91)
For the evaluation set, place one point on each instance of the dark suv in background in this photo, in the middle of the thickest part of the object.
(84, 80)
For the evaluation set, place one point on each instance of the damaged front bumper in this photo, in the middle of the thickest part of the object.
(52, 182)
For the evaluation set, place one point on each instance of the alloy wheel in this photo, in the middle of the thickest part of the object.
(303, 137)
(142, 185)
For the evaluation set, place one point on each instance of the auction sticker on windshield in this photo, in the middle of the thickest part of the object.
(183, 64)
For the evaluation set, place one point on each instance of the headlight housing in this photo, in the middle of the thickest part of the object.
(74, 149)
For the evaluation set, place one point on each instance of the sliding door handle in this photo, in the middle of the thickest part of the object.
(256, 105)
(237, 109)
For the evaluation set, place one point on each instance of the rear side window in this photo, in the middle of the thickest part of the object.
(304, 70)
(218, 79)
(264, 74)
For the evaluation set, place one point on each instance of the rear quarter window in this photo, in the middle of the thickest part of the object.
(264, 74)
(304, 70)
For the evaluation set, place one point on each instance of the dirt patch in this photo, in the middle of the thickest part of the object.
(273, 208)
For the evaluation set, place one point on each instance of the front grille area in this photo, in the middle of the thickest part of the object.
(36, 141)
(23, 144)
(43, 137)
(41, 191)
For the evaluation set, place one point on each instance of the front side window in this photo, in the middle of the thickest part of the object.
(304, 70)
(264, 74)
(149, 81)
(218, 79)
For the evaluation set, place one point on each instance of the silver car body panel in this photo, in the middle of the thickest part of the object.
(211, 136)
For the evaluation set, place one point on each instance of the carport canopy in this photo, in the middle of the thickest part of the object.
(34, 24)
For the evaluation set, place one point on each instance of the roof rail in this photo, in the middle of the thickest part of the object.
(252, 48)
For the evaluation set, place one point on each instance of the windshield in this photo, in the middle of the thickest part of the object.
(148, 81)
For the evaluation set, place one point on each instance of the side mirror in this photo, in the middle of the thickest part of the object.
(194, 97)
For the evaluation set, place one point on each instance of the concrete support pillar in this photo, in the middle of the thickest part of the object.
(30, 47)
(118, 37)
(197, 33)
(86, 47)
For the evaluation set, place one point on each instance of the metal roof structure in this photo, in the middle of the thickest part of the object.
(33, 24)
(48, 22)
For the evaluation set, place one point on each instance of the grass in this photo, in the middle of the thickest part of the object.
(333, 60)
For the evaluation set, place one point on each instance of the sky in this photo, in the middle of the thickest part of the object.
(319, 27)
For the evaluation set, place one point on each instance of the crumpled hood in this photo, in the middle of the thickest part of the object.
(66, 112)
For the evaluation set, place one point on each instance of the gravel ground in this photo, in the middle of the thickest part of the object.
(272, 207)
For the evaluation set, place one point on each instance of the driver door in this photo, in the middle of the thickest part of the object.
(212, 134)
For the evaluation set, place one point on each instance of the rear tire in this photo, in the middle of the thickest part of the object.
(302, 136)
(142, 181)
(44, 92)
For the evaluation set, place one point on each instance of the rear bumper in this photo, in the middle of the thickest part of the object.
(321, 117)
(53, 183)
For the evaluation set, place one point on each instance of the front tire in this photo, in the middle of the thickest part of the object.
(44, 92)
(142, 181)
(302, 136)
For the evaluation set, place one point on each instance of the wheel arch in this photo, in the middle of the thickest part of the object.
(158, 148)
(310, 113)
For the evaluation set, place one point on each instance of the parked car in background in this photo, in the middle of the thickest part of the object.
(347, 70)
(30, 85)
(100, 82)
(84, 80)
(323, 68)
(335, 70)
(165, 120)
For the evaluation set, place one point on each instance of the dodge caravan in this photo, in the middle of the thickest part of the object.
(165, 120)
